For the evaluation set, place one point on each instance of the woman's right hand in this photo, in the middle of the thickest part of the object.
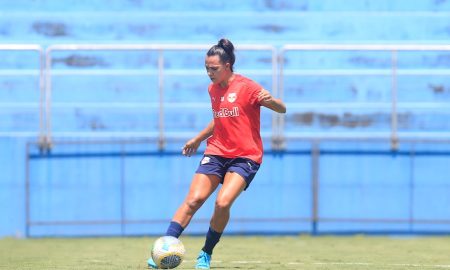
(190, 148)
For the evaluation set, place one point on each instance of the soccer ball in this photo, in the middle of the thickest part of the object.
(168, 252)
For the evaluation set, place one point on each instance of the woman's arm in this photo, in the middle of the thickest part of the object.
(268, 101)
(191, 146)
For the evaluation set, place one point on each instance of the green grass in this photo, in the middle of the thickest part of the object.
(302, 252)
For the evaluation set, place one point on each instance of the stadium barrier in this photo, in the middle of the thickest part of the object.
(279, 136)
(393, 49)
(160, 48)
(41, 81)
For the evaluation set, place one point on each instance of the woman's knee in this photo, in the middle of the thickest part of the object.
(223, 204)
(194, 203)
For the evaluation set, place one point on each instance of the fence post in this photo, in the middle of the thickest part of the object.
(394, 114)
(315, 154)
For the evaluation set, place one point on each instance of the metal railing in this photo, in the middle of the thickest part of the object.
(393, 49)
(279, 135)
(41, 82)
(143, 47)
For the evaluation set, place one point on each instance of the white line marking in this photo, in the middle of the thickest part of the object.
(421, 265)
(443, 266)
(247, 262)
(341, 263)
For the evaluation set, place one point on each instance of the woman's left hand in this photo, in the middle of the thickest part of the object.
(264, 97)
(267, 100)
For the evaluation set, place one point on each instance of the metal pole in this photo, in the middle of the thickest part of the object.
(161, 141)
(27, 190)
(122, 189)
(315, 154)
(42, 137)
(48, 97)
(394, 114)
(411, 187)
(281, 142)
(276, 138)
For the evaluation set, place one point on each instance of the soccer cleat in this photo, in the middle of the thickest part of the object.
(203, 260)
(151, 264)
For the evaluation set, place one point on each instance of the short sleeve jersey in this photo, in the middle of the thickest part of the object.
(236, 112)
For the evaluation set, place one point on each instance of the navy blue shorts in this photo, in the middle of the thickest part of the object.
(219, 166)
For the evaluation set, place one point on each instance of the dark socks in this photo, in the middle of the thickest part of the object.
(174, 229)
(212, 238)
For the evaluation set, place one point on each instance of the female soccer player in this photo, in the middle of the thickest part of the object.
(234, 148)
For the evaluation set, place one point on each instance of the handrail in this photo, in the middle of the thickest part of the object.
(20, 47)
(41, 83)
(366, 47)
(151, 47)
(393, 48)
(278, 71)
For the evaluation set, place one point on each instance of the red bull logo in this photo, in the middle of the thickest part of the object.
(224, 112)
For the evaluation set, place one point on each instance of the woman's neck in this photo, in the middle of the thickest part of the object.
(227, 81)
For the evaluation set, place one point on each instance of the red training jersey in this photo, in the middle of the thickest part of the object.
(236, 112)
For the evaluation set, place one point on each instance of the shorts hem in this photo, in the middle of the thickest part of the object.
(216, 174)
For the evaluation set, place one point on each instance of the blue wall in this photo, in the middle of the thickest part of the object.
(137, 184)
(132, 189)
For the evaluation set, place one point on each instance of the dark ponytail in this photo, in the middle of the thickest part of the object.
(225, 50)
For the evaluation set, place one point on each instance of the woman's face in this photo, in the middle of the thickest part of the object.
(217, 71)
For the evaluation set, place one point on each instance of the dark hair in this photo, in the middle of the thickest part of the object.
(225, 50)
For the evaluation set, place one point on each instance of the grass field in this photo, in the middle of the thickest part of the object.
(233, 252)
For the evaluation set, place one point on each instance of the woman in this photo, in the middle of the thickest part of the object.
(234, 148)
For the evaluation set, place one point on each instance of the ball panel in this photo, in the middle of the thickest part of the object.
(170, 261)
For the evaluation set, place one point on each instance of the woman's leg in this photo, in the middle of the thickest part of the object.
(233, 185)
(202, 187)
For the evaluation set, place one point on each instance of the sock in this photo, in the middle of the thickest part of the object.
(174, 229)
(212, 238)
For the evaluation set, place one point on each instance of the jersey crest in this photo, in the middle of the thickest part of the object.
(232, 97)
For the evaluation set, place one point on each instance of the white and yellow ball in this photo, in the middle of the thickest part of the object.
(168, 252)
